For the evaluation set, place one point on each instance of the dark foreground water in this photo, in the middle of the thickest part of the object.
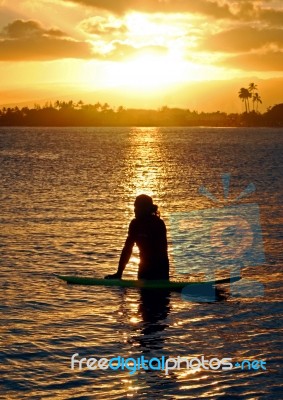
(66, 200)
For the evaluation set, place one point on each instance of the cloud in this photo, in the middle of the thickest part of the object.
(29, 41)
(270, 61)
(42, 49)
(267, 12)
(103, 26)
(272, 16)
(21, 29)
(253, 11)
(242, 39)
(244, 10)
(206, 7)
(121, 51)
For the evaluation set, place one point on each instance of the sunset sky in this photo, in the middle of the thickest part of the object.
(141, 53)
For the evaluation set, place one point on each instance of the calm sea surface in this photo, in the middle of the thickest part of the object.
(66, 200)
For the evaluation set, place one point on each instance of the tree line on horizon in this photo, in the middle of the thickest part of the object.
(70, 113)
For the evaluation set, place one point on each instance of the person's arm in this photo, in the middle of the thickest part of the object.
(125, 256)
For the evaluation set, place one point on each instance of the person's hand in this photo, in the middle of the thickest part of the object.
(113, 276)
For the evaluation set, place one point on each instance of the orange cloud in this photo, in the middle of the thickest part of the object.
(242, 38)
(20, 29)
(29, 41)
(206, 7)
(271, 16)
(241, 10)
(269, 61)
(121, 51)
(102, 26)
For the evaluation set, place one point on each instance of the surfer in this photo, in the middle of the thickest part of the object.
(148, 231)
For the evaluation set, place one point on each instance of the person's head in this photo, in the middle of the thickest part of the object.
(144, 206)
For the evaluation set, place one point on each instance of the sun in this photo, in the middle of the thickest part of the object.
(146, 72)
(150, 72)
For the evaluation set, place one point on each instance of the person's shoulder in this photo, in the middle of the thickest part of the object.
(132, 227)
(133, 223)
(158, 220)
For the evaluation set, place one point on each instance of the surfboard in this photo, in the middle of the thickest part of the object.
(143, 284)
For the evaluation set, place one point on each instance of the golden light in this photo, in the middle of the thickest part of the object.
(134, 320)
(144, 161)
(145, 72)
(145, 30)
(156, 55)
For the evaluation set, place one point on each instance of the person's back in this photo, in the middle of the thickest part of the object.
(148, 231)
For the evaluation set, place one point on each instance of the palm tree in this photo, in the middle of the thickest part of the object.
(57, 104)
(257, 99)
(97, 106)
(80, 104)
(244, 95)
(105, 107)
(252, 89)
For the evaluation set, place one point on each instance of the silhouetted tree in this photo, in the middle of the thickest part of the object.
(245, 95)
(274, 115)
(252, 88)
(105, 107)
(257, 100)
(80, 104)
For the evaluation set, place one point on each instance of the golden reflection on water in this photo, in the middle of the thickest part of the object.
(134, 320)
(144, 161)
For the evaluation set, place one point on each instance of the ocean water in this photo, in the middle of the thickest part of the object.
(66, 201)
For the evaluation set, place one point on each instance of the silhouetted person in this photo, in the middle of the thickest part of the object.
(148, 231)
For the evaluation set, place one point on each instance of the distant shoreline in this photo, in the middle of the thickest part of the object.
(70, 114)
(141, 126)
